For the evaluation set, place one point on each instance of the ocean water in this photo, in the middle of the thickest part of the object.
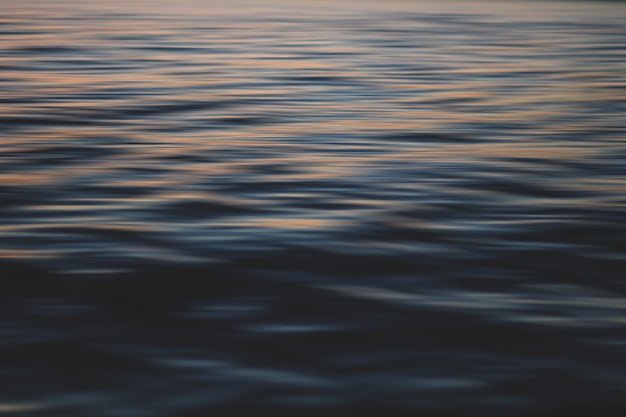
(347, 208)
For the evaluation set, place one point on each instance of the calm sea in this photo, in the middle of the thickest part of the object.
(312, 208)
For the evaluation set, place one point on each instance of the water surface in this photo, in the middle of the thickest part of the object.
(309, 208)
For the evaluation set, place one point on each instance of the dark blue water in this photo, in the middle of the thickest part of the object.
(310, 208)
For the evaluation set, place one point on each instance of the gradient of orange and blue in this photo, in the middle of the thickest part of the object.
(338, 208)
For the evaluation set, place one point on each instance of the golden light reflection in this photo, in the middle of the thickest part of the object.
(26, 254)
(288, 223)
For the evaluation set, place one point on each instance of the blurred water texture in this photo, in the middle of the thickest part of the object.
(340, 208)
